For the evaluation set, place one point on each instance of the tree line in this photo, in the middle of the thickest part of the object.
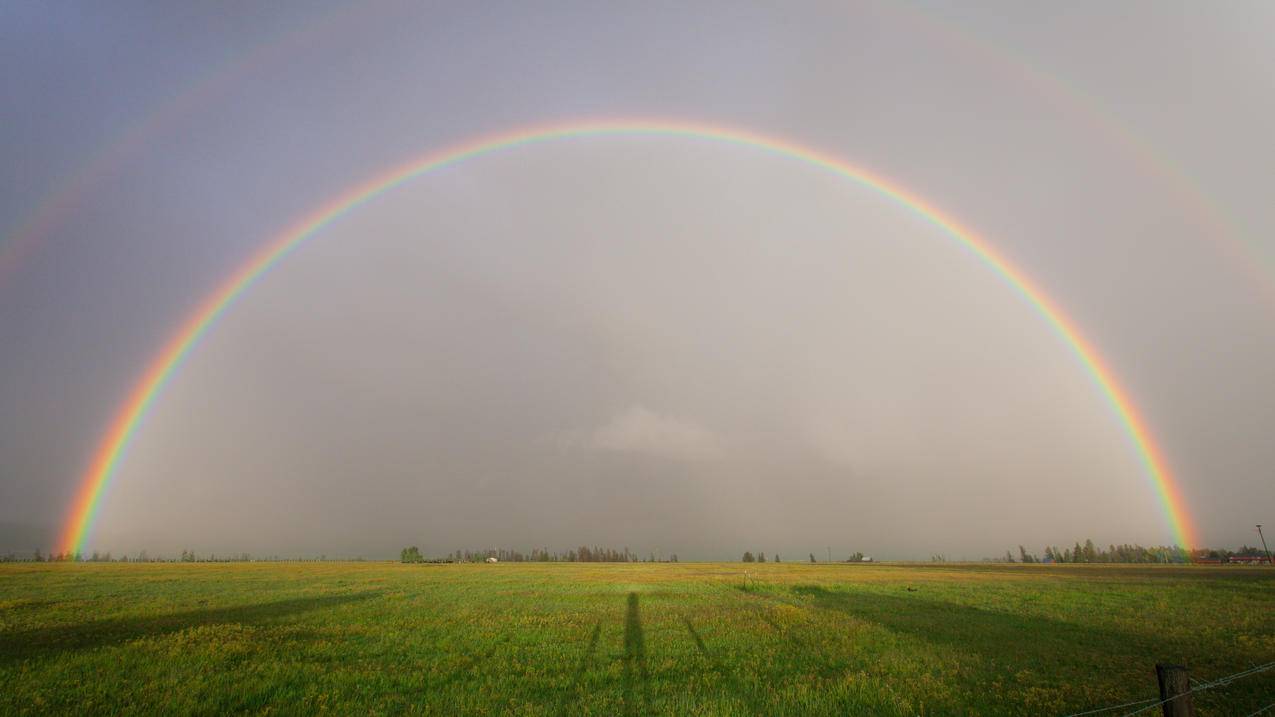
(583, 554)
(1125, 553)
(187, 556)
(1087, 552)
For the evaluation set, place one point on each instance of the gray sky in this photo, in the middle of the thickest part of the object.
(660, 343)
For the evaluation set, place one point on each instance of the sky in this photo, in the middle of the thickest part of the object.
(656, 342)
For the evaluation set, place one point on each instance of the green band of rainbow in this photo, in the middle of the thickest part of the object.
(125, 423)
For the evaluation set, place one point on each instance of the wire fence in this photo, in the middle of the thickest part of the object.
(1264, 709)
(1196, 686)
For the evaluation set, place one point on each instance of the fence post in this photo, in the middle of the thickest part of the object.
(1175, 690)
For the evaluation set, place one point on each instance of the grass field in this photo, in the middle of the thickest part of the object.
(624, 639)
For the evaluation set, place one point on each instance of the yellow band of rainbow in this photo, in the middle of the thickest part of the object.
(127, 419)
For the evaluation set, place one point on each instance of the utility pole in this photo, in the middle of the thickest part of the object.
(830, 553)
(1263, 537)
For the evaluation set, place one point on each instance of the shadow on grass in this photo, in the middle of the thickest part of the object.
(43, 642)
(734, 686)
(699, 641)
(1012, 640)
(807, 654)
(568, 694)
(589, 652)
(635, 662)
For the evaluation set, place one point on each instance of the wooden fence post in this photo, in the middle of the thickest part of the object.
(1175, 688)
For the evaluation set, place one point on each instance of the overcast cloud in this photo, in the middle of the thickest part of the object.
(663, 343)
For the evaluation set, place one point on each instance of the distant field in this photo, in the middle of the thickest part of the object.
(624, 639)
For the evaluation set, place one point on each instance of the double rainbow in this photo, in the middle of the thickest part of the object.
(123, 427)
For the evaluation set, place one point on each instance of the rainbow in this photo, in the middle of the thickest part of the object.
(60, 203)
(1236, 245)
(114, 444)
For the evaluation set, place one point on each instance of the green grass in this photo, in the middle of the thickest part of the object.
(624, 639)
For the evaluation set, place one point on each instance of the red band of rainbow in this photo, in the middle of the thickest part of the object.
(123, 427)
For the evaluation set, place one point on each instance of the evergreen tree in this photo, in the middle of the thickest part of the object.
(748, 557)
(761, 557)
(812, 558)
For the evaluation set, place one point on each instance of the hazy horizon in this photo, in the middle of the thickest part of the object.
(655, 342)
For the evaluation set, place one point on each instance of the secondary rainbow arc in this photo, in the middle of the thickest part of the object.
(114, 443)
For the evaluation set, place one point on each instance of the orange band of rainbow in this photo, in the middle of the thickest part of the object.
(126, 421)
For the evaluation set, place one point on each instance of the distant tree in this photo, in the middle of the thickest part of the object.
(1078, 553)
(672, 558)
(761, 557)
(142, 557)
(748, 557)
(1009, 558)
(1023, 556)
(1091, 554)
(812, 558)
(411, 555)
(776, 557)
(38, 557)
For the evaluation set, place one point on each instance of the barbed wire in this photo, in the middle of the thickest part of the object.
(1219, 682)
(1112, 707)
(1255, 714)
(1197, 686)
